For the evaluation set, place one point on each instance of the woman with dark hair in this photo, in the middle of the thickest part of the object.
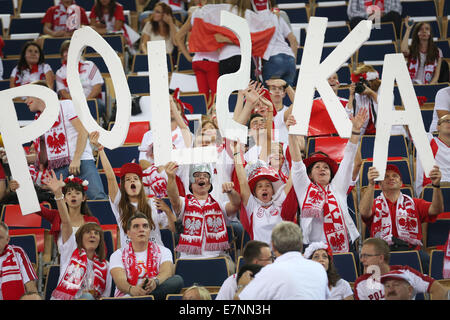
(423, 57)
(84, 271)
(160, 26)
(320, 252)
(130, 197)
(31, 67)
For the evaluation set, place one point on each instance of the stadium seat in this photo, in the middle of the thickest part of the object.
(397, 147)
(427, 194)
(8, 66)
(445, 47)
(33, 6)
(99, 63)
(115, 41)
(199, 271)
(375, 52)
(28, 243)
(333, 10)
(140, 63)
(240, 262)
(346, 266)
(437, 232)
(183, 65)
(406, 258)
(383, 31)
(4, 84)
(13, 48)
(23, 113)
(333, 146)
(109, 243)
(436, 264)
(297, 12)
(232, 102)
(139, 85)
(136, 131)
(93, 108)
(86, 4)
(25, 25)
(422, 90)
(51, 282)
(244, 239)
(402, 164)
(197, 101)
(102, 210)
(168, 239)
(426, 8)
(120, 156)
(427, 117)
(51, 46)
(54, 62)
(7, 7)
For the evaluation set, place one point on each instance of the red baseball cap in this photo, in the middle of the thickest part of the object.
(131, 168)
(394, 168)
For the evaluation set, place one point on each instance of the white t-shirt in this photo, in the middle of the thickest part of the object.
(441, 102)
(66, 253)
(265, 219)
(147, 140)
(89, 77)
(341, 291)
(277, 43)
(68, 111)
(290, 277)
(148, 30)
(160, 219)
(228, 288)
(205, 253)
(230, 50)
(141, 261)
(26, 76)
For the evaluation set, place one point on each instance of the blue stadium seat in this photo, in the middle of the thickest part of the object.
(232, 101)
(427, 117)
(51, 282)
(427, 194)
(199, 271)
(93, 108)
(436, 264)
(326, 52)
(87, 4)
(128, 5)
(6, 7)
(375, 52)
(51, 46)
(437, 232)
(168, 239)
(346, 266)
(426, 8)
(297, 15)
(8, 66)
(406, 258)
(398, 146)
(25, 25)
(383, 31)
(240, 262)
(333, 10)
(444, 46)
(13, 47)
(28, 243)
(139, 85)
(119, 156)
(422, 90)
(183, 65)
(116, 42)
(140, 63)
(55, 63)
(109, 243)
(101, 209)
(99, 63)
(23, 113)
(4, 84)
(403, 166)
(33, 6)
(197, 100)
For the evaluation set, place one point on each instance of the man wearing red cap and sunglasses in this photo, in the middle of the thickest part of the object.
(396, 217)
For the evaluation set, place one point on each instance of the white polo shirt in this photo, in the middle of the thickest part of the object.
(290, 277)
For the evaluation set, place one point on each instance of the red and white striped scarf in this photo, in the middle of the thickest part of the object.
(56, 143)
(75, 274)
(11, 277)
(406, 220)
(413, 66)
(446, 264)
(131, 268)
(202, 221)
(318, 201)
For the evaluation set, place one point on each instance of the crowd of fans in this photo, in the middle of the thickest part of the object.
(291, 205)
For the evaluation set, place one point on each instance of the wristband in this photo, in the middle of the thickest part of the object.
(434, 186)
(357, 133)
(236, 153)
(100, 148)
(61, 198)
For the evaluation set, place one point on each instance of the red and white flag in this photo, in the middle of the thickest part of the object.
(206, 23)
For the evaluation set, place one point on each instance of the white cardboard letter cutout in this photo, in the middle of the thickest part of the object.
(160, 111)
(314, 74)
(227, 83)
(82, 38)
(394, 68)
(14, 137)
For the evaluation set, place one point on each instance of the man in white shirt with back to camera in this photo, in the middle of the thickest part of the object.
(291, 276)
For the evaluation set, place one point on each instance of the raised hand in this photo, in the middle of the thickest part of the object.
(227, 187)
(372, 174)
(171, 169)
(93, 138)
(359, 119)
(53, 183)
(435, 176)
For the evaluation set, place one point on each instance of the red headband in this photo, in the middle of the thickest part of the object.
(76, 180)
(176, 97)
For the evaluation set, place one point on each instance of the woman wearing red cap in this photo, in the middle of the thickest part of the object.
(321, 187)
(130, 197)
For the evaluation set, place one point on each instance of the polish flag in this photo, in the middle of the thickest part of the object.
(206, 23)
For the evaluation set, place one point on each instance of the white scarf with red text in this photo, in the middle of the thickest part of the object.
(321, 201)
(405, 220)
(11, 278)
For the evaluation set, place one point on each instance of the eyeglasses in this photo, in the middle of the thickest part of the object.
(365, 255)
(271, 258)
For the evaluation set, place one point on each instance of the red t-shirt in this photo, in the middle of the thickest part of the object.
(421, 212)
(118, 15)
(53, 16)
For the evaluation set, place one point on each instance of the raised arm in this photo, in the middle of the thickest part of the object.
(437, 202)
(74, 167)
(235, 199)
(240, 173)
(185, 131)
(366, 202)
(113, 186)
(172, 188)
(181, 36)
(404, 46)
(55, 185)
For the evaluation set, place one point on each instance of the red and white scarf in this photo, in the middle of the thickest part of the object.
(131, 268)
(202, 221)
(446, 266)
(406, 221)
(75, 274)
(56, 143)
(372, 6)
(318, 201)
(11, 277)
(413, 66)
